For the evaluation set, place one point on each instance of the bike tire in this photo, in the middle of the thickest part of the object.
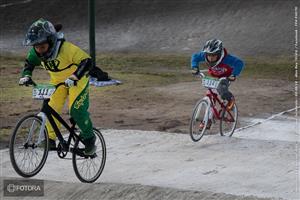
(226, 119)
(17, 132)
(197, 109)
(100, 143)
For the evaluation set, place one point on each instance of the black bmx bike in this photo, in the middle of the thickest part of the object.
(28, 147)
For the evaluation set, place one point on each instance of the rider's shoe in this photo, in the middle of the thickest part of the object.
(90, 147)
(201, 126)
(230, 104)
(51, 144)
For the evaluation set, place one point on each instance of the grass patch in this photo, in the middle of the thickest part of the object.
(5, 134)
(140, 63)
(280, 68)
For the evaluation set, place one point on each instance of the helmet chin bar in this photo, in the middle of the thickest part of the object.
(43, 56)
(215, 63)
(51, 49)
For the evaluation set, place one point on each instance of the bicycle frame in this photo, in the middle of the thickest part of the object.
(213, 98)
(51, 114)
(47, 112)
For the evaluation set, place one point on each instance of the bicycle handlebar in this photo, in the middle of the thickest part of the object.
(31, 82)
(200, 74)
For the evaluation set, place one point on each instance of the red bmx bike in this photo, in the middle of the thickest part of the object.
(211, 108)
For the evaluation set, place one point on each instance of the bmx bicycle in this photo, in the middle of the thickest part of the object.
(209, 109)
(28, 147)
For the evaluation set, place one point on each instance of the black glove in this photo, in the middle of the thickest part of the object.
(231, 78)
(195, 71)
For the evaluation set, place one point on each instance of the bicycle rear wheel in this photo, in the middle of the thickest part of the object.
(89, 168)
(28, 149)
(199, 120)
(228, 121)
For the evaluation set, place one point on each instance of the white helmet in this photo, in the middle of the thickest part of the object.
(214, 46)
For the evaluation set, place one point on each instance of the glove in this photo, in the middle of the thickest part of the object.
(71, 81)
(231, 78)
(195, 71)
(25, 80)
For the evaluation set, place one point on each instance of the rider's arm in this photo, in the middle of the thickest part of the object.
(236, 63)
(83, 68)
(31, 62)
(196, 59)
(83, 61)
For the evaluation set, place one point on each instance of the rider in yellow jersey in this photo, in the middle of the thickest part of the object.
(66, 63)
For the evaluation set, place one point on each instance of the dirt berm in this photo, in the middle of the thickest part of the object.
(106, 191)
(248, 28)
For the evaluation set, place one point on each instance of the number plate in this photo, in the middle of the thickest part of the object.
(210, 82)
(43, 91)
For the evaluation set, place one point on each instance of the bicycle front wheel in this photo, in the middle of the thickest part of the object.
(89, 168)
(28, 146)
(199, 120)
(228, 121)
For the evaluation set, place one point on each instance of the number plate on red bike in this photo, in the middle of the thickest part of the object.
(210, 82)
(43, 91)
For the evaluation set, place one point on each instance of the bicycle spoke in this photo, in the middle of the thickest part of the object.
(24, 159)
(30, 160)
(89, 168)
(94, 166)
(86, 170)
(82, 165)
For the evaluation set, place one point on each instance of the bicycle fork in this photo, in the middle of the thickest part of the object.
(41, 134)
(208, 112)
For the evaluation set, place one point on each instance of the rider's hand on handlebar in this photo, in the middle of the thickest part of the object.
(26, 80)
(195, 71)
(232, 78)
(71, 81)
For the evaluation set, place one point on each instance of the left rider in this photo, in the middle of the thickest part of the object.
(66, 63)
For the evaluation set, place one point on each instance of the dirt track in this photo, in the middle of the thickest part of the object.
(259, 162)
(115, 191)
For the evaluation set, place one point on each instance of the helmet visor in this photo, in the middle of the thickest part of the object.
(33, 39)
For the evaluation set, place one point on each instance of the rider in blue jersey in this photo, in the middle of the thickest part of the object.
(220, 64)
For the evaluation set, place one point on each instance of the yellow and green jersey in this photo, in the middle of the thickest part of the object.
(63, 66)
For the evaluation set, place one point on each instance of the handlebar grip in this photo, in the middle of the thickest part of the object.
(231, 78)
(33, 83)
(63, 83)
